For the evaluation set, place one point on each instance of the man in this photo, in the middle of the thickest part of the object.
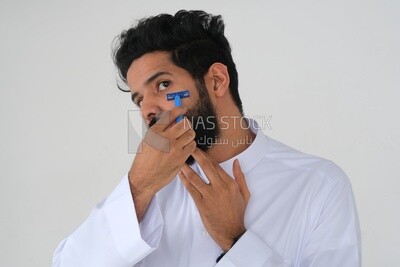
(210, 189)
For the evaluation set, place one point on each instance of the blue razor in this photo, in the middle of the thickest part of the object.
(177, 96)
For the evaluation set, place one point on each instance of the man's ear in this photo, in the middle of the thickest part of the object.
(219, 76)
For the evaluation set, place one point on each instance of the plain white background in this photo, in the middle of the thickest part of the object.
(326, 71)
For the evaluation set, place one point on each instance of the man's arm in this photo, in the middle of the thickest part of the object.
(116, 232)
(165, 148)
(334, 241)
(221, 203)
(111, 235)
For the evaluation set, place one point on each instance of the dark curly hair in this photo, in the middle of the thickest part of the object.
(195, 39)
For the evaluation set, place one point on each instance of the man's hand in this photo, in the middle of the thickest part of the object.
(165, 148)
(222, 202)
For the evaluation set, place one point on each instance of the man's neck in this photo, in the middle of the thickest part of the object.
(235, 137)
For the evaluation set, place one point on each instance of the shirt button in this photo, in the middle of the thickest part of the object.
(205, 233)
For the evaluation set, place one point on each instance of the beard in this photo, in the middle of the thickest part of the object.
(203, 119)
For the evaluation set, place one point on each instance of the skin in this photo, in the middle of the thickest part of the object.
(167, 145)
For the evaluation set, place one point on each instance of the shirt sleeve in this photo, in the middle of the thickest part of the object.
(250, 250)
(334, 241)
(112, 235)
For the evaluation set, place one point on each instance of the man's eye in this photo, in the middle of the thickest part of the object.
(139, 101)
(163, 85)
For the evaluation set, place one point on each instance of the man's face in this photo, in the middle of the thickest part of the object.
(152, 76)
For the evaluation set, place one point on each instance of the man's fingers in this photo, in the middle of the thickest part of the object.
(208, 165)
(180, 128)
(196, 195)
(168, 117)
(185, 139)
(241, 180)
(195, 179)
(189, 148)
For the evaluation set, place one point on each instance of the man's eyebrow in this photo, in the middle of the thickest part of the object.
(150, 80)
(155, 76)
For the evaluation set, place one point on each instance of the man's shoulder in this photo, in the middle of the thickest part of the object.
(293, 160)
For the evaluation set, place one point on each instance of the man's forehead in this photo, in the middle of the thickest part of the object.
(148, 64)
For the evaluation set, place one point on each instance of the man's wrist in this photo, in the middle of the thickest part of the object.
(233, 243)
(141, 199)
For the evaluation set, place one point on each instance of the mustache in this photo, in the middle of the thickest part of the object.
(153, 121)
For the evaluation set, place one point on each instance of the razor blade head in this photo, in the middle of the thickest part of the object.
(181, 94)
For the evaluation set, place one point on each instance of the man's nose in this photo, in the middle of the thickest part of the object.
(150, 108)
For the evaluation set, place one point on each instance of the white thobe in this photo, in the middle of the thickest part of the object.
(301, 213)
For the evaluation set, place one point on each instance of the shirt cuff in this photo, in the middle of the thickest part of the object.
(251, 249)
(120, 213)
(152, 224)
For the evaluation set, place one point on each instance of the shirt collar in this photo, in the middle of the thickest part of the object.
(249, 157)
